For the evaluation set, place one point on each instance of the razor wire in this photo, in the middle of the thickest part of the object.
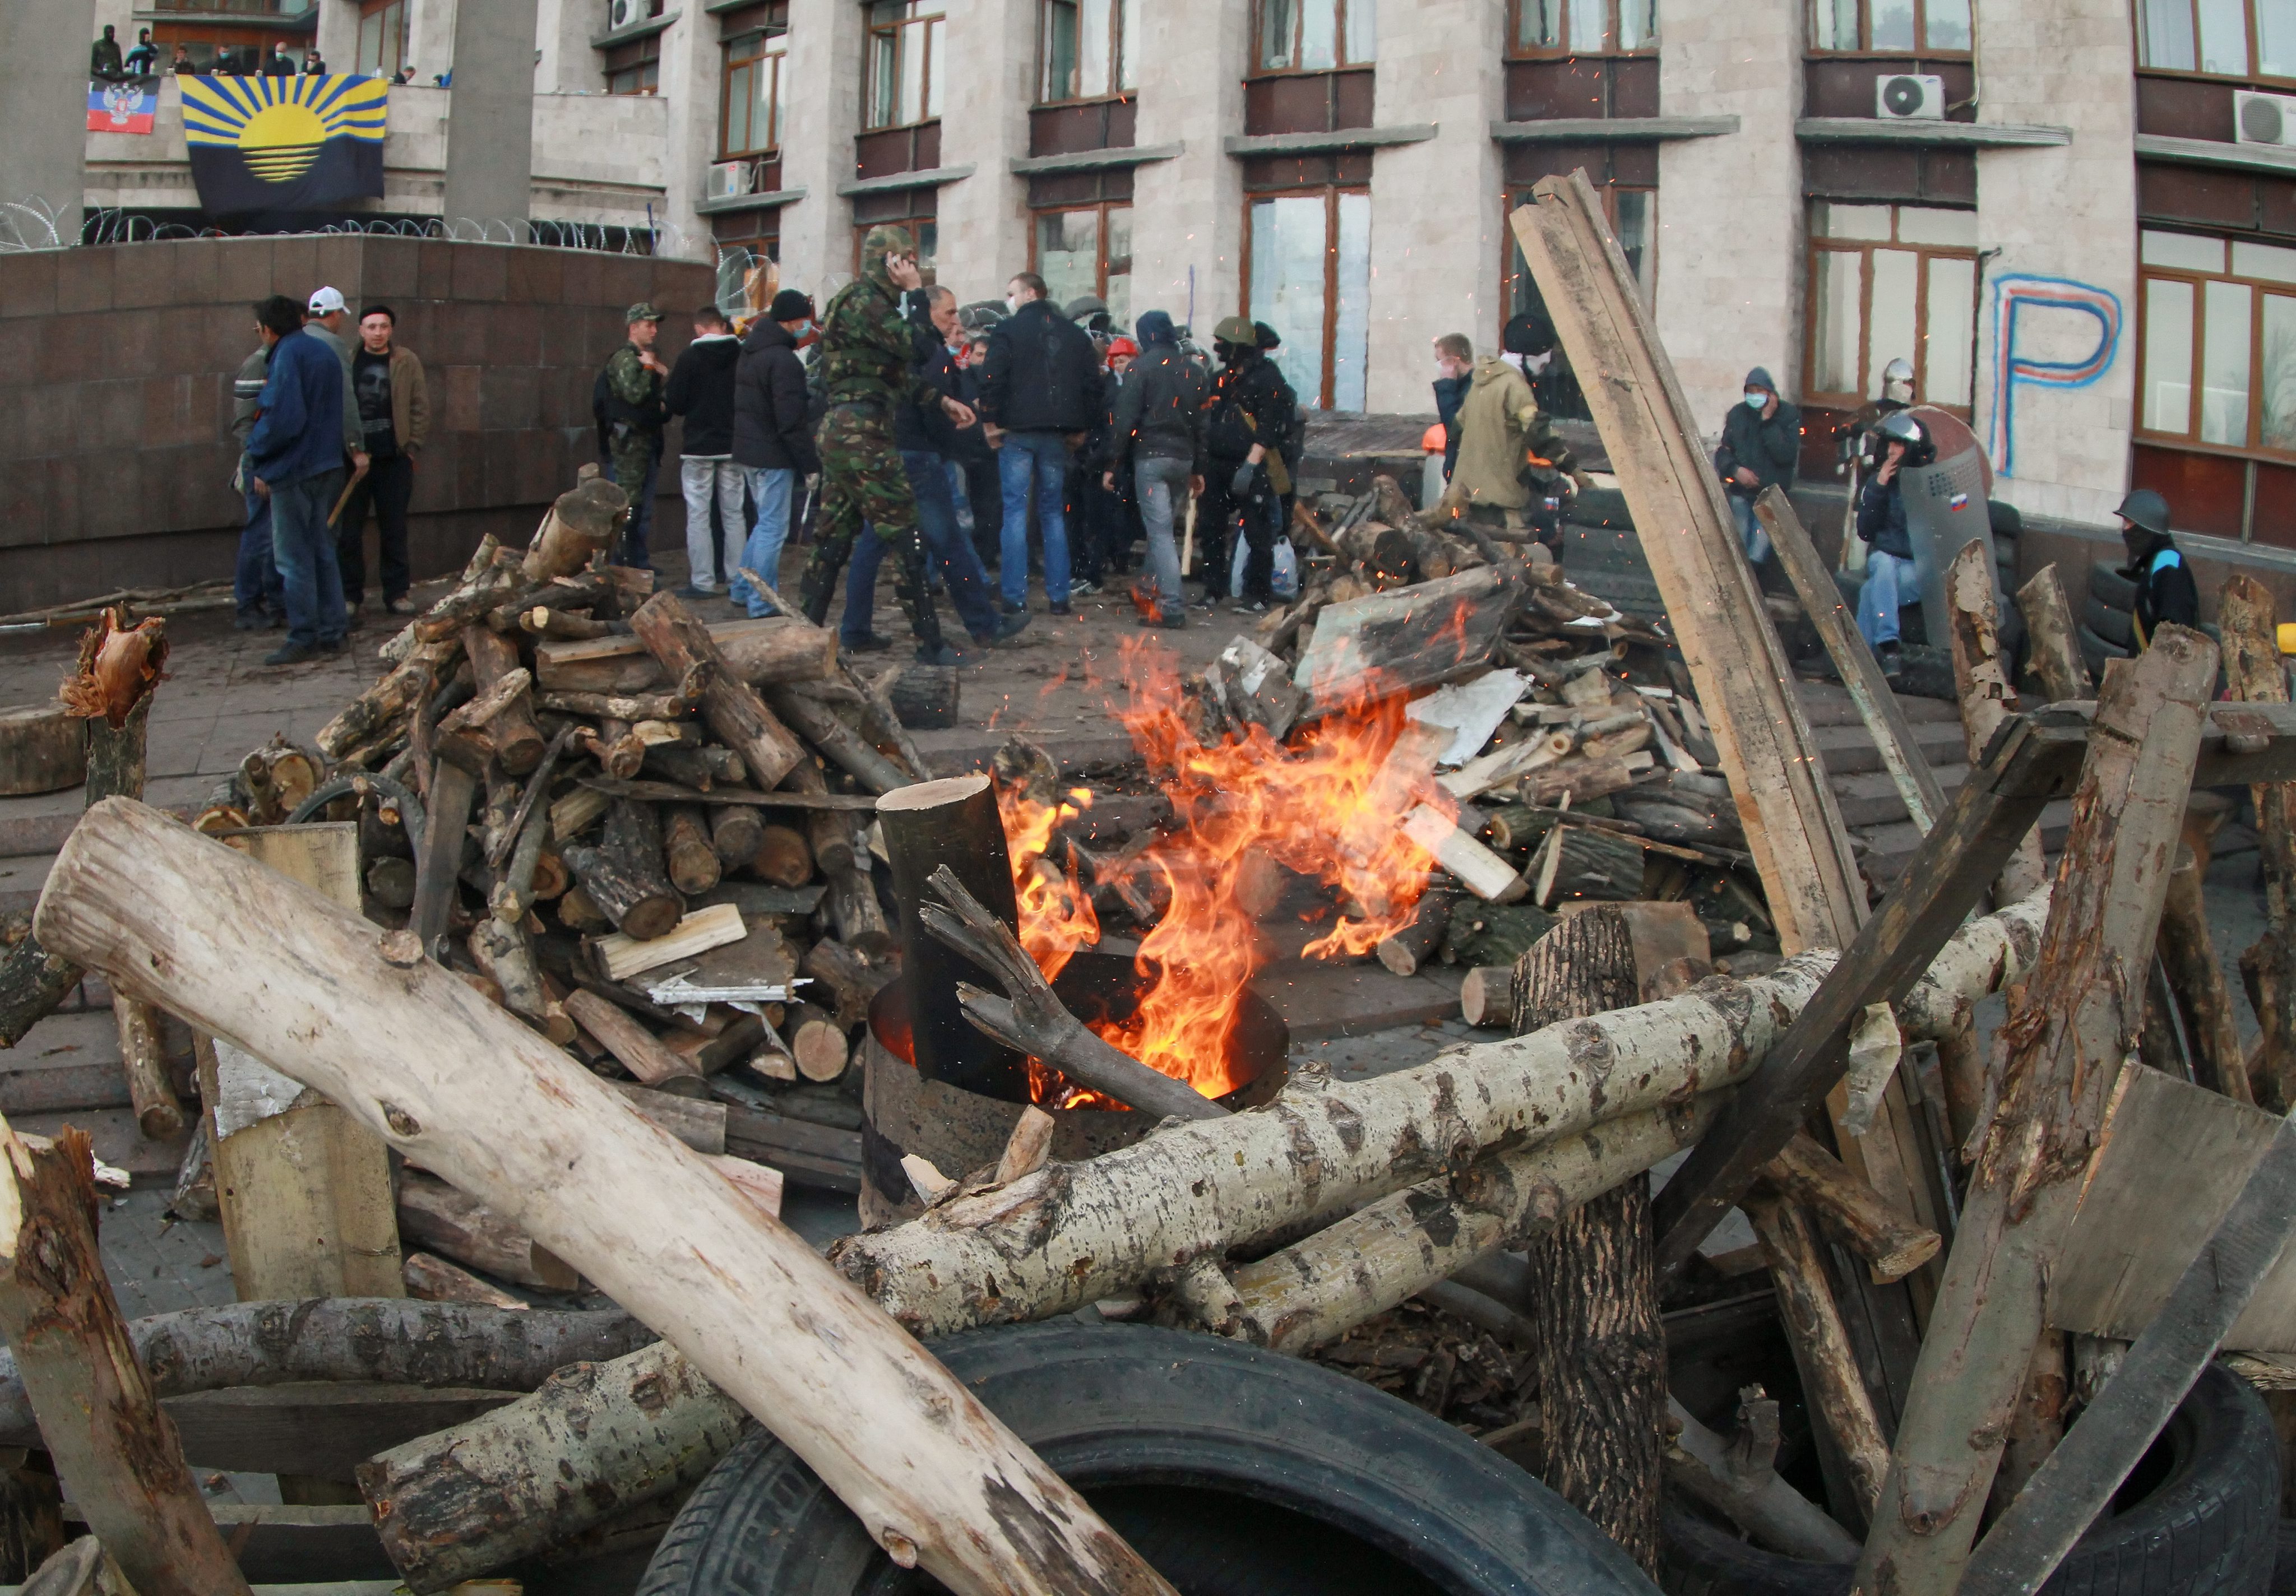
(32, 224)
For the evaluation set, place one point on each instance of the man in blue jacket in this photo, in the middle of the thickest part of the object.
(295, 458)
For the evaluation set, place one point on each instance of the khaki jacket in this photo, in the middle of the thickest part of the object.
(410, 400)
(1495, 425)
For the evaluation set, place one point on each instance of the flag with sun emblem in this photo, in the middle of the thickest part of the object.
(283, 143)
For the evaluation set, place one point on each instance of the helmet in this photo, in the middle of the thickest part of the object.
(1529, 333)
(1898, 381)
(1920, 448)
(2148, 510)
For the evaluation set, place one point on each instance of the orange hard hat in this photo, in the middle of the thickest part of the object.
(1435, 440)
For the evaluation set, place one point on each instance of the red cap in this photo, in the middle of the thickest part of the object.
(1122, 346)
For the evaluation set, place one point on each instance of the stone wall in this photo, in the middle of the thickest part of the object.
(116, 366)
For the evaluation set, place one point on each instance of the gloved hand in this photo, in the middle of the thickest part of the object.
(1240, 483)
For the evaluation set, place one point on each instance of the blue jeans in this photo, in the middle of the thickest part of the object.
(1758, 542)
(771, 487)
(304, 545)
(960, 564)
(861, 586)
(1038, 461)
(1162, 485)
(255, 583)
(1890, 581)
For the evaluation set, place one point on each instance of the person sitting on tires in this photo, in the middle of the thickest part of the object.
(2165, 589)
(1890, 579)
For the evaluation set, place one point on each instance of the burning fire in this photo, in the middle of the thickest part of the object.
(1324, 807)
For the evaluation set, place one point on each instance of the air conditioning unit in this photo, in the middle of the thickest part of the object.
(1901, 95)
(621, 15)
(2263, 118)
(730, 179)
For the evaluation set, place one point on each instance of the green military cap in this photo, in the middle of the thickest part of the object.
(644, 310)
(1237, 329)
(888, 240)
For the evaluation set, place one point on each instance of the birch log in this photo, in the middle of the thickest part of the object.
(937, 1481)
(736, 715)
(2065, 1044)
(1981, 677)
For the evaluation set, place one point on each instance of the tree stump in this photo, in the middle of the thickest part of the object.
(1594, 1294)
(624, 874)
(43, 749)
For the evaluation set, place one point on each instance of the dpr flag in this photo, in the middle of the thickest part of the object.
(284, 143)
(124, 106)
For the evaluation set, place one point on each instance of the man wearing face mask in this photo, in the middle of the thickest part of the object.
(1860, 436)
(1762, 448)
(1245, 426)
(867, 346)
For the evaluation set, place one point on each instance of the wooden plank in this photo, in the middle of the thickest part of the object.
(318, 1431)
(323, 855)
(1415, 636)
(1869, 690)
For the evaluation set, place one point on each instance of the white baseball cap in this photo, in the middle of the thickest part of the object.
(326, 301)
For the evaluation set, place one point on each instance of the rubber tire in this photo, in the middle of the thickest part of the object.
(2113, 625)
(2096, 650)
(2284, 1566)
(2109, 587)
(1110, 1405)
(2210, 1527)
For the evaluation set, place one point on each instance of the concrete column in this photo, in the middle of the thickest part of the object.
(2064, 222)
(44, 46)
(490, 129)
(1730, 211)
(989, 72)
(1187, 213)
(1437, 207)
(431, 39)
(693, 73)
(823, 111)
(565, 63)
(338, 33)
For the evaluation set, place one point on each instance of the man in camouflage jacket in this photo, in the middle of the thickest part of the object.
(630, 423)
(867, 349)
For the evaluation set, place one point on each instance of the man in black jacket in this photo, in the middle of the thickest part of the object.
(1762, 448)
(2166, 592)
(773, 436)
(700, 388)
(1246, 421)
(1041, 388)
(1159, 428)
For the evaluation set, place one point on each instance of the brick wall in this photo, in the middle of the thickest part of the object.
(116, 365)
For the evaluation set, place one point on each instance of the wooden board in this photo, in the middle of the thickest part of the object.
(321, 1431)
(2175, 1156)
(1416, 636)
(323, 855)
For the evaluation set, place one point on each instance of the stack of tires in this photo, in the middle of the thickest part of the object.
(2108, 618)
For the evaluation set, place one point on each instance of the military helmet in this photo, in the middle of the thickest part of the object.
(1237, 329)
(2147, 510)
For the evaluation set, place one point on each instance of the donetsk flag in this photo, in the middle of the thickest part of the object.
(283, 143)
(124, 106)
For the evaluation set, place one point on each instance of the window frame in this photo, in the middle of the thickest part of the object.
(641, 56)
(2197, 74)
(1517, 195)
(391, 60)
(1518, 51)
(1833, 399)
(2259, 288)
(926, 24)
(1865, 47)
(769, 45)
(1329, 193)
(1100, 209)
(1259, 68)
(1123, 78)
(927, 258)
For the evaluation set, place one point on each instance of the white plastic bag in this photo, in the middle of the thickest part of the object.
(1285, 583)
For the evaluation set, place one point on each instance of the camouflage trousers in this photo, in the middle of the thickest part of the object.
(633, 462)
(863, 480)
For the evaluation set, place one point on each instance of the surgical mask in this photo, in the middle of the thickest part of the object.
(1012, 304)
(1900, 393)
(1756, 399)
(1532, 364)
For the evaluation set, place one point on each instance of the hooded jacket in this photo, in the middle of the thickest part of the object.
(1159, 408)
(701, 390)
(1771, 449)
(770, 432)
(1494, 432)
(1043, 374)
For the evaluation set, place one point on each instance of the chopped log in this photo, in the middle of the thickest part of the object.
(637, 1049)
(519, 742)
(924, 697)
(607, 705)
(687, 849)
(850, 980)
(506, 957)
(578, 810)
(43, 749)
(2052, 648)
(816, 1042)
(2078, 1019)
(542, 621)
(143, 1058)
(1585, 862)
(783, 857)
(839, 743)
(657, 1229)
(1581, 780)
(1831, 1385)
(486, 583)
(736, 715)
(1593, 1298)
(623, 875)
(1027, 1148)
(775, 649)
(1874, 1231)
(435, 1279)
(623, 955)
(379, 711)
(1477, 869)
(577, 913)
(434, 1215)
(1772, 1513)
(391, 881)
(1418, 636)
(97, 1411)
(2255, 673)
(702, 768)
(1487, 996)
(700, 1125)
(735, 835)
(2189, 957)
(584, 521)
(1404, 951)
(454, 789)
(1981, 677)
(954, 823)
(1494, 933)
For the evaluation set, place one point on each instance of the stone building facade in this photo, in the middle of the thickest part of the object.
(2066, 232)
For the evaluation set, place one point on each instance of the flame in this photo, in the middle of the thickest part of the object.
(1327, 807)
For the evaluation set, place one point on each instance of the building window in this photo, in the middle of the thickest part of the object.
(1316, 35)
(2217, 351)
(753, 107)
(904, 45)
(1874, 26)
(2223, 36)
(914, 209)
(1083, 251)
(1889, 282)
(1091, 50)
(1633, 216)
(381, 37)
(1308, 275)
(1583, 27)
(634, 68)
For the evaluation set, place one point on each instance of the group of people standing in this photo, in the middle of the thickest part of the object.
(107, 63)
(896, 403)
